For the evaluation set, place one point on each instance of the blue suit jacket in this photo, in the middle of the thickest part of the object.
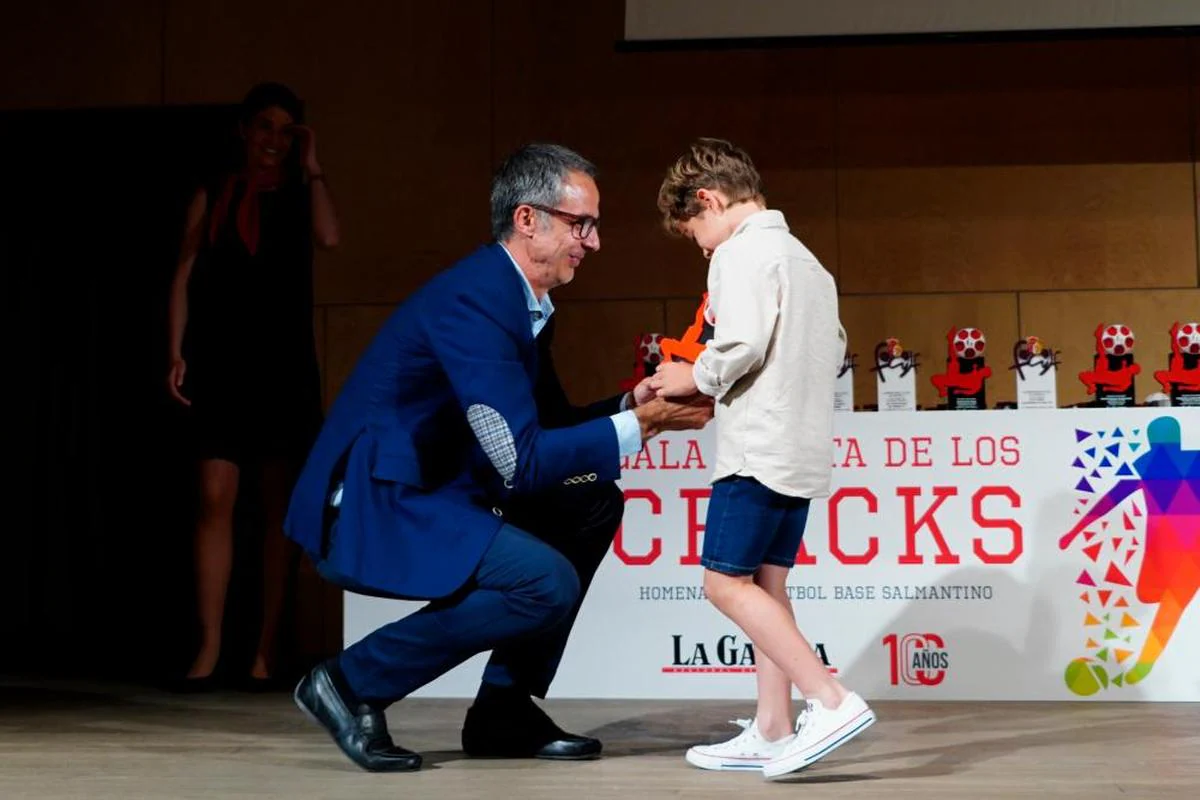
(420, 502)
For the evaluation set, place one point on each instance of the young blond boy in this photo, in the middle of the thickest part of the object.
(770, 366)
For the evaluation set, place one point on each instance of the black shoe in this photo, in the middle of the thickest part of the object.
(361, 734)
(521, 729)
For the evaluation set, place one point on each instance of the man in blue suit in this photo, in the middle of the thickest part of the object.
(451, 468)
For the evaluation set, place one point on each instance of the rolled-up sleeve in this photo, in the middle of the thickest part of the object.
(746, 303)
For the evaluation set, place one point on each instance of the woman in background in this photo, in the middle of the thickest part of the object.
(243, 354)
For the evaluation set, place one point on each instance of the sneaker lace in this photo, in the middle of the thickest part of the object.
(739, 742)
(805, 716)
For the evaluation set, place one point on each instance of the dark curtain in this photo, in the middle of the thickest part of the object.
(99, 496)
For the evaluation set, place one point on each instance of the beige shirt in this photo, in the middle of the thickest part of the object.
(773, 358)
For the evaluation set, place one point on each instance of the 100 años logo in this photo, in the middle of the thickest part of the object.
(917, 659)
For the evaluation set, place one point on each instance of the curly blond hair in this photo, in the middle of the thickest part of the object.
(708, 164)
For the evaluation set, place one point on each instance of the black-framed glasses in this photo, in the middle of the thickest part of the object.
(582, 225)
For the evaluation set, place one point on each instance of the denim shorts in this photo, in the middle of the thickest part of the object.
(749, 525)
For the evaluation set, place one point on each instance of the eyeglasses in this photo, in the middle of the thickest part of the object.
(581, 224)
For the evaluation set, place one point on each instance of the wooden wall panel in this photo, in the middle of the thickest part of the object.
(1024, 165)
(349, 329)
(1065, 102)
(633, 113)
(317, 621)
(1017, 227)
(1067, 321)
(76, 54)
(1194, 49)
(921, 323)
(593, 344)
(400, 98)
(681, 314)
(319, 336)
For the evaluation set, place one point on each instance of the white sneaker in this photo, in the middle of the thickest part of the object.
(819, 732)
(746, 751)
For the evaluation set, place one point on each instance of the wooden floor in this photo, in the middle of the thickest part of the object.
(69, 741)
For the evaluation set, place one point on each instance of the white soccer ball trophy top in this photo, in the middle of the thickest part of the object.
(1189, 338)
(1117, 340)
(651, 348)
(969, 343)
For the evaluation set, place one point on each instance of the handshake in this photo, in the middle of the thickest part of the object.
(669, 408)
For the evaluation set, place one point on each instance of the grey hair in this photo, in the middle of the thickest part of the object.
(534, 174)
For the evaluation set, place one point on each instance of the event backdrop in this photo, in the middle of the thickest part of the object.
(989, 555)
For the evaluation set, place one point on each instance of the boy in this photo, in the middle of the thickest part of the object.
(770, 365)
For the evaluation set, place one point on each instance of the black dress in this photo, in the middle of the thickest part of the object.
(252, 372)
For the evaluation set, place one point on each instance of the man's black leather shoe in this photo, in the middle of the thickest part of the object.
(521, 730)
(361, 733)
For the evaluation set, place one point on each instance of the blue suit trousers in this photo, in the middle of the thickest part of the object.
(520, 603)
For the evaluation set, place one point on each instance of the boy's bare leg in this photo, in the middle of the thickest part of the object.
(774, 714)
(772, 629)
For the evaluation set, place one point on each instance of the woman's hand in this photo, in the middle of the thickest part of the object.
(307, 142)
(175, 378)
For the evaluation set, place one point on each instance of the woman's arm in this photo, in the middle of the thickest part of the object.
(326, 232)
(177, 311)
(325, 223)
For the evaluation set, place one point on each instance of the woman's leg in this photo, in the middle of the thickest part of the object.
(214, 557)
(277, 557)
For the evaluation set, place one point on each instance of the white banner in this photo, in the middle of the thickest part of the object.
(941, 567)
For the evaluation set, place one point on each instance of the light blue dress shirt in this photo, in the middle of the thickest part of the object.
(625, 423)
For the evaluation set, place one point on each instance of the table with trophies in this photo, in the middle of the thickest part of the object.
(1042, 553)
(1110, 381)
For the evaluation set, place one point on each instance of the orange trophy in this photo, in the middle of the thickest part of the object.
(649, 349)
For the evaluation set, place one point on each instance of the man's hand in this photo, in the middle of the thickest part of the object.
(673, 379)
(681, 414)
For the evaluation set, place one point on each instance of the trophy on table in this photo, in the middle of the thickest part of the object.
(1036, 366)
(1111, 378)
(647, 354)
(1181, 380)
(895, 371)
(963, 384)
(843, 391)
